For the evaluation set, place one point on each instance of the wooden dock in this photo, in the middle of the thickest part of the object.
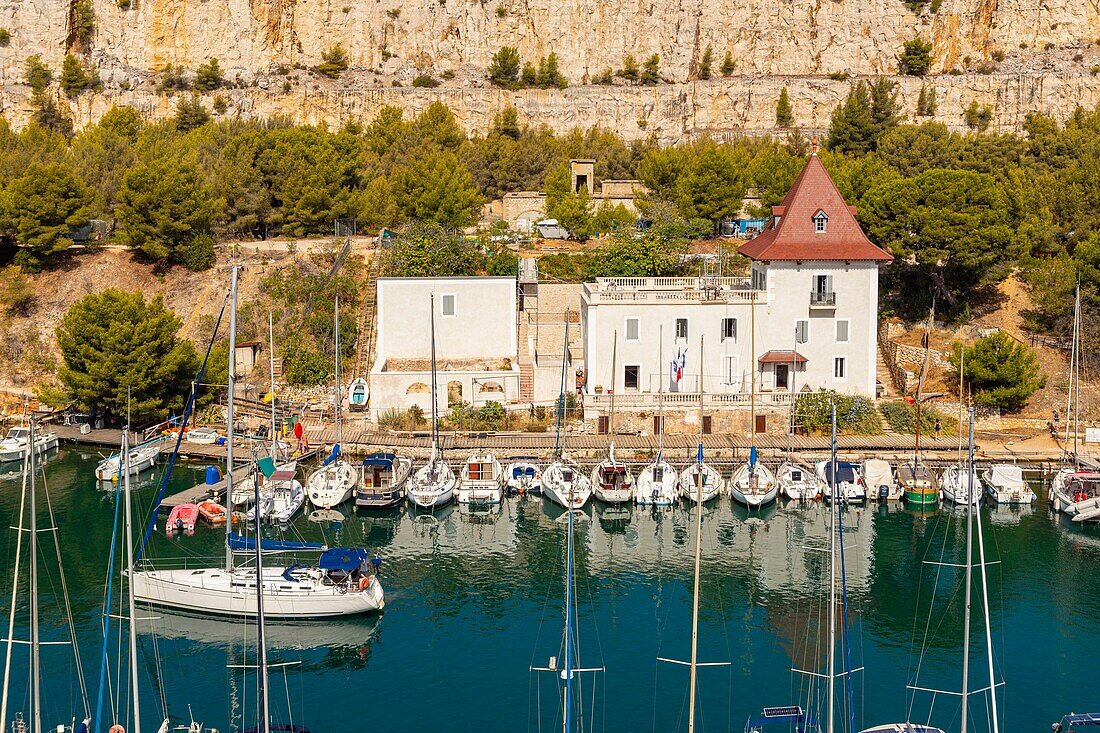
(198, 492)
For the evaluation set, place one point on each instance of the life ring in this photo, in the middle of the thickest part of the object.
(116, 728)
(365, 582)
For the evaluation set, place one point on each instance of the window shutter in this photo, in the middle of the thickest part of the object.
(842, 332)
(828, 283)
(632, 329)
(801, 334)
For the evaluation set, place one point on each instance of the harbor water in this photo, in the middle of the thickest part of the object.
(475, 600)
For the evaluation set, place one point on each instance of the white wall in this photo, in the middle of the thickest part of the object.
(483, 326)
(389, 390)
(788, 300)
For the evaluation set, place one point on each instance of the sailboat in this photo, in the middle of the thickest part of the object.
(657, 483)
(752, 484)
(433, 484)
(327, 588)
(139, 458)
(570, 651)
(701, 482)
(919, 481)
(1074, 492)
(612, 481)
(34, 692)
(798, 481)
(973, 522)
(562, 481)
(334, 483)
(955, 481)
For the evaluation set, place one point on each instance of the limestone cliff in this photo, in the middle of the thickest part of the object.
(1041, 53)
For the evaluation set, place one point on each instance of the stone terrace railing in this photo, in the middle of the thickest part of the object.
(672, 290)
(648, 400)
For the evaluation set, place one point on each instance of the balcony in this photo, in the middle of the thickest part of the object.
(672, 290)
(822, 299)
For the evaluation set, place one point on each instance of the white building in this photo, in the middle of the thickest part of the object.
(475, 342)
(805, 319)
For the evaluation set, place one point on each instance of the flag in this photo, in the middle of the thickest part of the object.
(677, 366)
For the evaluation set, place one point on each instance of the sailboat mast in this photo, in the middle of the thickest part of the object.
(271, 371)
(832, 576)
(435, 424)
(229, 419)
(14, 598)
(988, 635)
(698, 553)
(1077, 373)
(36, 669)
(1072, 364)
(920, 384)
(561, 395)
(261, 644)
(339, 398)
(969, 570)
(567, 707)
(661, 392)
(125, 458)
(611, 415)
(752, 370)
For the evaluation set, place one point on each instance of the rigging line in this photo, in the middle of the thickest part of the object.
(845, 631)
(914, 675)
(188, 409)
(65, 597)
(14, 598)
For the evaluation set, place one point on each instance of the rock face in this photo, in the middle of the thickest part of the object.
(266, 47)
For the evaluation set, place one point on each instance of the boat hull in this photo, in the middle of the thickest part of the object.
(18, 453)
(649, 491)
(220, 593)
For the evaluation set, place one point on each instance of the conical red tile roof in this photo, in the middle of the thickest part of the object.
(794, 238)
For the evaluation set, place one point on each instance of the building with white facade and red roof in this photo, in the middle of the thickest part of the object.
(805, 317)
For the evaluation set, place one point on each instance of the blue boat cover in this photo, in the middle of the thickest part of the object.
(242, 542)
(845, 471)
(342, 558)
(517, 471)
(752, 456)
(380, 459)
(332, 456)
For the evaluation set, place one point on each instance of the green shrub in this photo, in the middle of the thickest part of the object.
(334, 62)
(629, 70)
(172, 80)
(208, 76)
(728, 64)
(37, 75)
(902, 418)
(198, 253)
(83, 23)
(74, 79)
(5, 37)
(813, 413)
(305, 367)
(916, 58)
(1000, 371)
(504, 68)
(978, 117)
(705, 63)
(651, 71)
(425, 81)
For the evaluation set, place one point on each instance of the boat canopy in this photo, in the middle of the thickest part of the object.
(242, 542)
(342, 558)
(845, 472)
(877, 472)
(527, 470)
(1077, 720)
(1007, 474)
(380, 459)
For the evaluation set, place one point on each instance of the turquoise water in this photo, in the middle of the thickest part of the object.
(474, 601)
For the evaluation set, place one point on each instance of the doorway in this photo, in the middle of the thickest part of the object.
(782, 376)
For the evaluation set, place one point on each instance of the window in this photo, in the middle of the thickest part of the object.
(632, 329)
(447, 305)
(801, 332)
(842, 331)
(823, 284)
(729, 329)
(759, 279)
(840, 368)
(681, 329)
(630, 376)
(730, 373)
(821, 222)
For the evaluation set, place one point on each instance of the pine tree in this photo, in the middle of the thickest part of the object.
(208, 76)
(852, 129)
(926, 102)
(74, 79)
(651, 71)
(630, 68)
(705, 64)
(504, 68)
(728, 64)
(784, 114)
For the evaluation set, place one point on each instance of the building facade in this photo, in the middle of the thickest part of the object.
(475, 342)
(805, 318)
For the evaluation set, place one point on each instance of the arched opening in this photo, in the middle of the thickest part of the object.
(489, 387)
(454, 392)
(418, 388)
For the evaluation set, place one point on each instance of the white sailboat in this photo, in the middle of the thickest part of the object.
(701, 482)
(562, 481)
(328, 588)
(753, 484)
(612, 482)
(657, 483)
(139, 458)
(955, 486)
(433, 484)
(973, 526)
(481, 480)
(798, 482)
(15, 446)
(334, 482)
(33, 696)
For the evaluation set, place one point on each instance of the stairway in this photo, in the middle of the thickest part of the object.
(526, 382)
(366, 327)
(882, 373)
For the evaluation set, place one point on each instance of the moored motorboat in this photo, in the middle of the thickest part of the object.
(565, 484)
(1004, 484)
(657, 484)
(287, 497)
(15, 446)
(1077, 494)
(753, 484)
(523, 476)
(384, 480)
(244, 491)
(879, 480)
(203, 436)
(798, 482)
(182, 519)
(142, 457)
(848, 481)
(481, 480)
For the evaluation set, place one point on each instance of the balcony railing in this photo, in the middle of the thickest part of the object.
(648, 400)
(822, 300)
(667, 290)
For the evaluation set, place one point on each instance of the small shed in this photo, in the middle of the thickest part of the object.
(245, 356)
